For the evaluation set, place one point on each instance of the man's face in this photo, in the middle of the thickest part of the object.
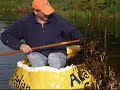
(40, 15)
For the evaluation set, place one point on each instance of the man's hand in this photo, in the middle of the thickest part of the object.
(25, 48)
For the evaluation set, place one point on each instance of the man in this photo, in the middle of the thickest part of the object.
(42, 27)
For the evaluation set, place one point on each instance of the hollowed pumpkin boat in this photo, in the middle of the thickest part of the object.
(27, 77)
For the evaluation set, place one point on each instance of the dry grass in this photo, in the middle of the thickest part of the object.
(95, 60)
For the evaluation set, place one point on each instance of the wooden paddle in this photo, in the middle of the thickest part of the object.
(41, 47)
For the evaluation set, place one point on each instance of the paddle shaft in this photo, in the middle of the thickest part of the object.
(41, 47)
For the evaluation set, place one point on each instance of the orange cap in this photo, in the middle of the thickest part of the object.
(42, 5)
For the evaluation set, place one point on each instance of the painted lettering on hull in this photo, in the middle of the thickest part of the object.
(73, 79)
(19, 82)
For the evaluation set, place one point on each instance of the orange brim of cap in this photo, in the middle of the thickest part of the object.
(47, 10)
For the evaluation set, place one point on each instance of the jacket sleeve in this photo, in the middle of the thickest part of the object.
(12, 36)
(69, 30)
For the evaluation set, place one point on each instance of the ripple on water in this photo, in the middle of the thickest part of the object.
(7, 66)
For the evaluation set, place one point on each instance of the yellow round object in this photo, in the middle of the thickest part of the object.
(26, 77)
(73, 50)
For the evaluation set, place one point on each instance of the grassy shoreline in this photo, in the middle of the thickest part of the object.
(67, 8)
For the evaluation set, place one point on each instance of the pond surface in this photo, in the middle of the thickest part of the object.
(7, 63)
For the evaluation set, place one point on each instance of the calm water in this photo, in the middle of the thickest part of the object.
(7, 63)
